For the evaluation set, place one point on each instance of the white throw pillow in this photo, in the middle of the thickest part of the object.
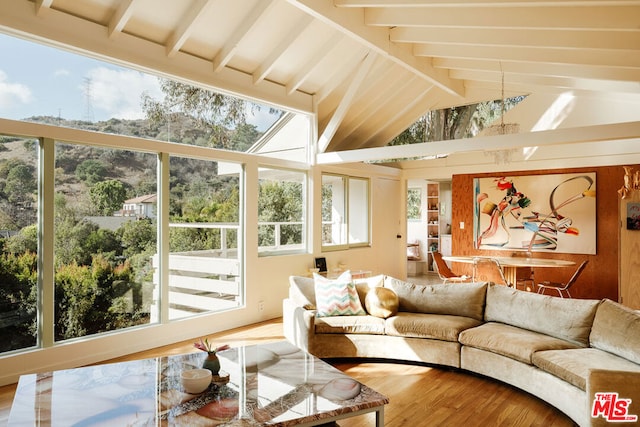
(337, 297)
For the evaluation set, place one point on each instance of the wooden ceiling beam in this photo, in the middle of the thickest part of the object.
(541, 69)
(274, 56)
(187, 25)
(594, 57)
(376, 110)
(569, 18)
(538, 38)
(231, 45)
(307, 68)
(345, 103)
(350, 22)
(18, 18)
(595, 133)
(481, 3)
(120, 18)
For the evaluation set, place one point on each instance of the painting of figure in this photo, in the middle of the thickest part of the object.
(536, 213)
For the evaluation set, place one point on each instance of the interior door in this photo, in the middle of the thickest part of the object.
(390, 227)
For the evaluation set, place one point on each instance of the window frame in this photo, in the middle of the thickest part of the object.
(305, 218)
(347, 200)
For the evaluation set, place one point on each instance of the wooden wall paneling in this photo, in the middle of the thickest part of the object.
(629, 256)
(600, 278)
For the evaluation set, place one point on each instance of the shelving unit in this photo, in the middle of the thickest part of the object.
(433, 223)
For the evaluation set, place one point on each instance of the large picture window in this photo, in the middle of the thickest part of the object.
(18, 242)
(345, 212)
(105, 238)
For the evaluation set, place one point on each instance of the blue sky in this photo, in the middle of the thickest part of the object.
(37, 80)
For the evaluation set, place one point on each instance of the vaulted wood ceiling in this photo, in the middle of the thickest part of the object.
(367, 68)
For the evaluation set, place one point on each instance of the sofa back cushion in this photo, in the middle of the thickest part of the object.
(616, 329)
(564, 318)
(453, 299)
(302, 291)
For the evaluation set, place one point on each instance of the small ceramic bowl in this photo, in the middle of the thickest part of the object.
(195, 381)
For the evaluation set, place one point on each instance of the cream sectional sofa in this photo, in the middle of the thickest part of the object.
(563, 351)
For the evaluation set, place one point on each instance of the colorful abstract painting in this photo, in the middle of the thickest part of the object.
(537, 213)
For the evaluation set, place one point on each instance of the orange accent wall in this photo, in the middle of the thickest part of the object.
(600, 278)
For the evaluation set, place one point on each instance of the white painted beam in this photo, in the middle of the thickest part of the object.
(347, 100)
(483, 3)
(538, 38)
(596, 57)
(609, 132)
(551, 81)
(187, 24)
(377, 112)
(42, 6)
(351, 22)
(307, 68)
(120, 18)
(541, 69)
(18, 18)
(340, 74)
(392, 125)
(276, 53)
(228, 50)
(597, 17)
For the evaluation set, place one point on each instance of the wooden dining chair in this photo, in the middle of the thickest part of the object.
(489, 270)
(445, 272)
(563, 288)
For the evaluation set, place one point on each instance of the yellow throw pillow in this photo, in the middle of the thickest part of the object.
(381, 302)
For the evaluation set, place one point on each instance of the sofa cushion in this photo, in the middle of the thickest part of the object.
(616, 329)
(365, 284)
(435, 326)
(506, 340)
(563, 318)
(574, 365)
(349, 325)
(381, 302)
(337, 297)
(302, 292)
(454, 299)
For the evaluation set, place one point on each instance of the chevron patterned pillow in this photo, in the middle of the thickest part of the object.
(337, 297)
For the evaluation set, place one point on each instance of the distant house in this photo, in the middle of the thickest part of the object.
(139, 207)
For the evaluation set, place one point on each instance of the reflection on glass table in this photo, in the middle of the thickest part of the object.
(274, 384)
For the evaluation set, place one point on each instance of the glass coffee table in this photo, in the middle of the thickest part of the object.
(271, 384)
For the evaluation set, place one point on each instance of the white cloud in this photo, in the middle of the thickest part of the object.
(12, 93)
(61, 72)
(118, 92)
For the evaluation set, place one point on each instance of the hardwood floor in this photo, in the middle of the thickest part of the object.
(419, 395)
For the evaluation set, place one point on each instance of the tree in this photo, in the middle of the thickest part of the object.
(280, 202)
(108, 196)
(91, 171)
(25, 241)
(20, 183)
(454, 123)
(138, 237)
(244, 136)
(211, 110)
(17, 182)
